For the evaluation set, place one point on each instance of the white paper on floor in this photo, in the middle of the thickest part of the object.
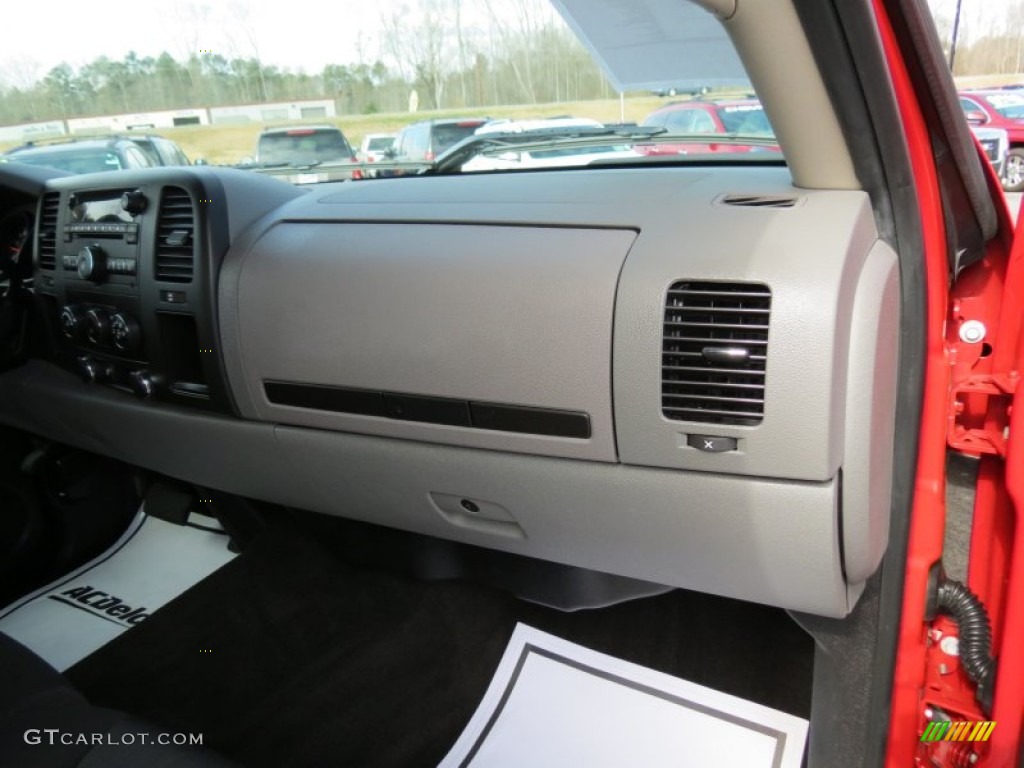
(153, 562)
(555, 703)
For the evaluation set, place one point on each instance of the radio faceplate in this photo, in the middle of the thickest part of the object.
(117, 324)
(100, 236)
(141, 251)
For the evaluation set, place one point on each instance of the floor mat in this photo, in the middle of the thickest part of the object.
(556, 703)
(288, 655)
(151, 563)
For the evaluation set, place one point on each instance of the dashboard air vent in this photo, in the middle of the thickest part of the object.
(48, 215)
(175, 237)
(760, 201)
(714, 352)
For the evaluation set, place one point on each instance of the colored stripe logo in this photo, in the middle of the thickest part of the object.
(958, 730)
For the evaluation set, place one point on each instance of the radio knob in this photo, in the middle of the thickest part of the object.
(71, 321)
(134, 201)
(92, 263)
(125, 332)
(142, 384)
(97, 326)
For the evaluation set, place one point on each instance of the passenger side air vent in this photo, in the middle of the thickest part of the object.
(760, 201)
(49, 213)
(714, 352)
(175, 237)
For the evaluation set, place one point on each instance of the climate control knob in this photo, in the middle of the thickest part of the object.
(92, 263)
(97, 326)
(142, 384)
(125, 332)
(72, 319)
(90, 369)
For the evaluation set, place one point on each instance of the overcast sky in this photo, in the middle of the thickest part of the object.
(295, 34)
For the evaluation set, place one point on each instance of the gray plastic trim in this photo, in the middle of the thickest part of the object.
(515, 315)
(810, 256)
(870, 414)
(763, 540)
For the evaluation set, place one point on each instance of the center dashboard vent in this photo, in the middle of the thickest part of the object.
(175, 237)
(714, 352)
(48, 215)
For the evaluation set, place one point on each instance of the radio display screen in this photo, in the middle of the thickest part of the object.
(99, 211)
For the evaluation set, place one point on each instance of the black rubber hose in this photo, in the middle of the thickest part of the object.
(963, 605)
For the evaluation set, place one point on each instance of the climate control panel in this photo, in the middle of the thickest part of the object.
(101, 327)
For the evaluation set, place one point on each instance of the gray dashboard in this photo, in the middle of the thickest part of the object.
(502, 360)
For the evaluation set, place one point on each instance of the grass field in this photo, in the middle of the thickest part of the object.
(229, 144)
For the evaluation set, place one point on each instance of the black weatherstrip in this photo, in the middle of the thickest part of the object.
(498, 417)
(779, 736)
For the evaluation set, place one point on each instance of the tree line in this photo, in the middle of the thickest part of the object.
(532, 59)
(990, 41)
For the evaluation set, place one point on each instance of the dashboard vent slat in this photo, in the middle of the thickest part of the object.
(48, 218)
(714, 343)
(760, 201)
(175, 237)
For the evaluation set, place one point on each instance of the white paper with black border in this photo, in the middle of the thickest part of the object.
(149, 565)
(555, 703)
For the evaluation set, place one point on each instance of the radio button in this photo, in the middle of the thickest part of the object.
(134, 201)
(92, 263)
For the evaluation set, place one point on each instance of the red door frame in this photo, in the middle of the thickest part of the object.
(992, 287)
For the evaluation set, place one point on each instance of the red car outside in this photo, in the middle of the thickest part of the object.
(1001, 109)
(742, 117)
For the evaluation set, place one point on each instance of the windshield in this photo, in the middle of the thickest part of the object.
(269, 87)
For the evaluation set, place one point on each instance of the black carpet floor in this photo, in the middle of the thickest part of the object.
(291, 656)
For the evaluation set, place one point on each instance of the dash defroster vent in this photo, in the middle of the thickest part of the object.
(175, 237)
(714, 352)
(760, 201)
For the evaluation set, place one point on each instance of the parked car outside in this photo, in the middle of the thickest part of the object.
(301, 148)
(83, 155)
(743, 117)
(161, 151)
(1001, 108)
(425, 140)
(996, 143)
(514, 159)
(375, 146)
